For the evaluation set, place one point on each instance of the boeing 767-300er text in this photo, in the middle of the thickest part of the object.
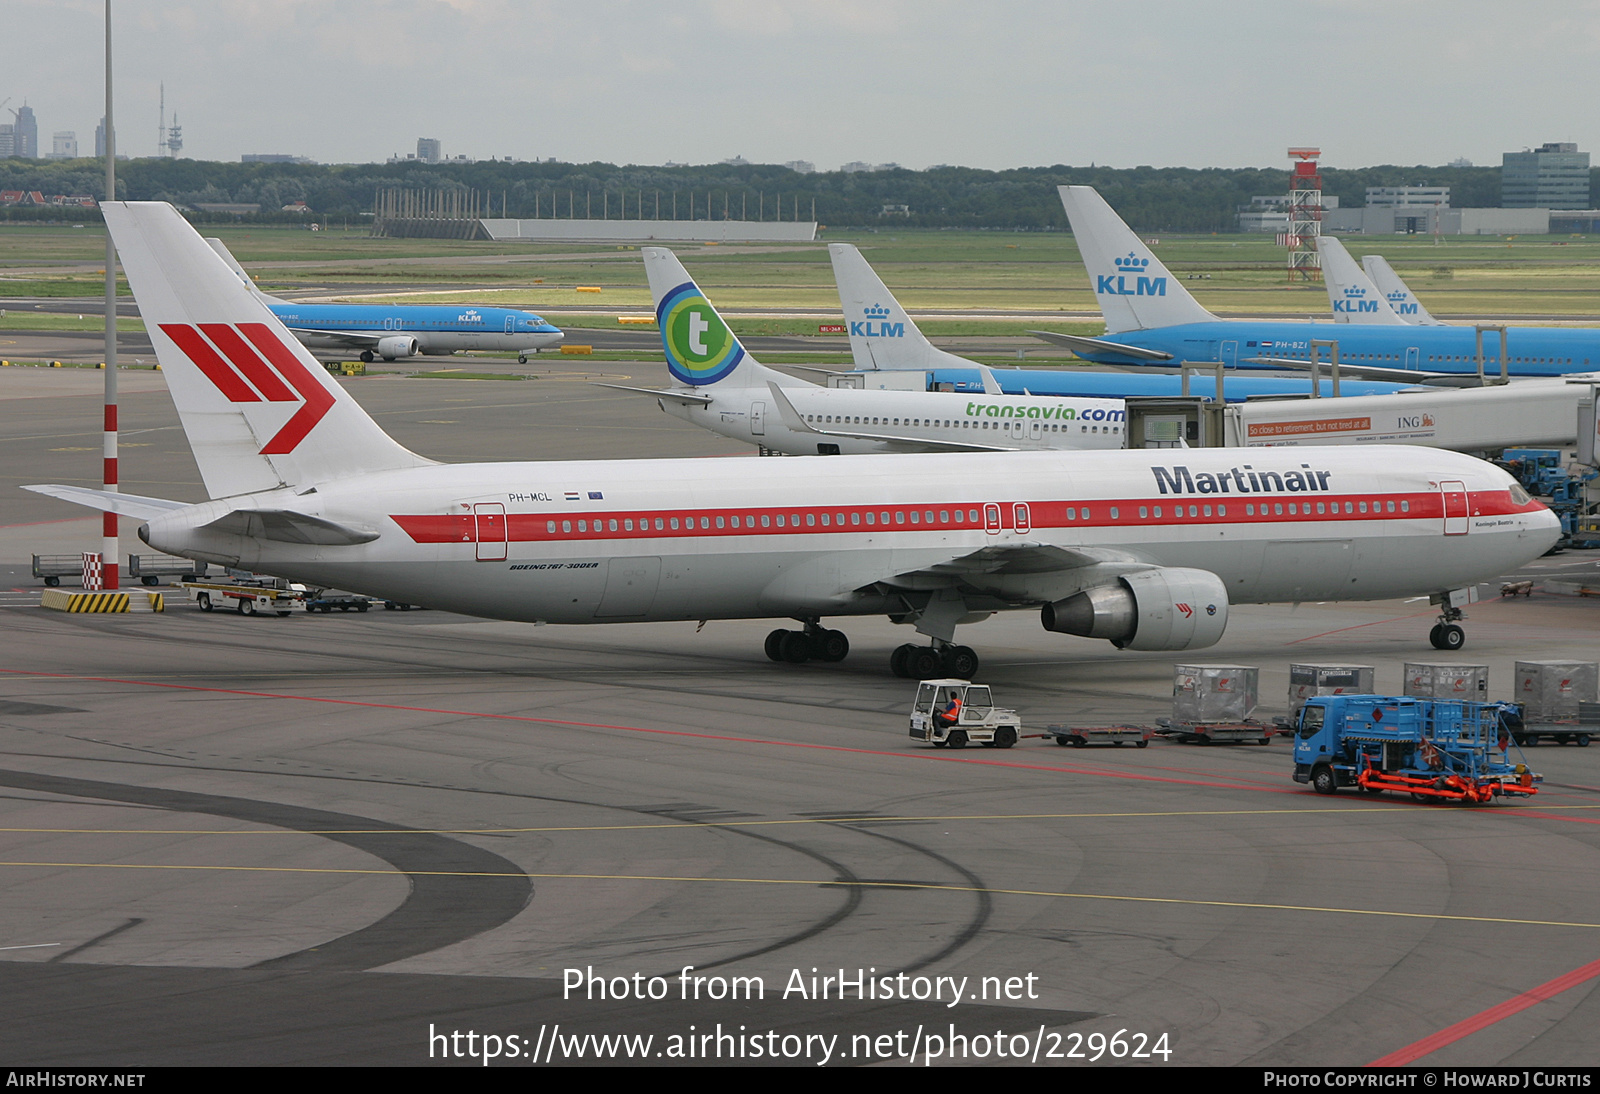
(1145, 548)
(391, 331)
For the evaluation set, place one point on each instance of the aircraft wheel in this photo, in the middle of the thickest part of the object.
(204, 600)
(366, 356)
(1433, 636)
(773, 641)
(922, 663)
(1451, 637)
(958, 739)
(1323, 780)
(897, 662)
(960, 662)
(247, 607)
(1005, 737)
(831, 646)
(522, 358)
(795, 647)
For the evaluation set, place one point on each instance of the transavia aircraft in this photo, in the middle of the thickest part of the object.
(884, 340)
(1152, 319)
(1145, 548)
(721, 387)
(391, 331)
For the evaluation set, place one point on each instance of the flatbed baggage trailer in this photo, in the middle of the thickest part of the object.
(52, 568)
(1210, 733)
(150, 569)
(1432, 749)
(1082, 736)
(247, 598)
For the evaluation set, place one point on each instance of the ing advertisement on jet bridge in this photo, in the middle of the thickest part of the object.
(1529, 412)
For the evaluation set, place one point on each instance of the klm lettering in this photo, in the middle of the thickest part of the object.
(1240, 480)
(1118, 285)
(868, 329)
(1353, 306)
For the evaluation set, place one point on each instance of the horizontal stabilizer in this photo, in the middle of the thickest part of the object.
(287, 526)
(1089, 347)
(691, 397)
(125, 505)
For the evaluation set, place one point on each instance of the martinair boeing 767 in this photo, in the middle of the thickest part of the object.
(1145, 548)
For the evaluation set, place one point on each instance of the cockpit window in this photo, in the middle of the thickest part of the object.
(1519, 496)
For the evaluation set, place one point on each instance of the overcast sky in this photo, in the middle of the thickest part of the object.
(996, 84)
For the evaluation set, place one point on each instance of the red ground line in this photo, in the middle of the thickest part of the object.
(1465, 1028)
(1358, 626)
(646, 729)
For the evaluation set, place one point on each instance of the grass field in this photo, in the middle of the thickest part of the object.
(927, 270)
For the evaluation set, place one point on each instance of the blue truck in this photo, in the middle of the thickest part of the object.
(1436, 750)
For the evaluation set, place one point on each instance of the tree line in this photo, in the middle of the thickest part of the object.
(1151, 199)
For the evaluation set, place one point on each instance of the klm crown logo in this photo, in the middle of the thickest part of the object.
(1130, 279)
(1355, 302)
(874, 326)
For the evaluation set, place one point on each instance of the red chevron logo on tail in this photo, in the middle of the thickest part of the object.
(244, 375)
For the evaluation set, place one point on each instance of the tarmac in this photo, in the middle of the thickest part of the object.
(348, 839)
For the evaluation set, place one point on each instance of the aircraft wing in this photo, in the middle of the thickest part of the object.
(1373, 372)
(1014, 559)
(797, 422)
(1077, 343)
(354, 338)
(692, 397)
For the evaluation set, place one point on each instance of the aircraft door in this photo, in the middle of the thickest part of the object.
(758, 415)
(1413, 357)
(1455, 508)
(1035, 430)
(991, 519)
(1019, 517)
(1230, 354)
(489, 529)
(511, 324)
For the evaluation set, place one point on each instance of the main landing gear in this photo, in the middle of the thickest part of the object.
(1447, 633)
(815, 643)
(943, 659)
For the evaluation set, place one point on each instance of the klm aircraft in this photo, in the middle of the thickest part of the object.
(1152, 320)
(886, 344)
(391, 331)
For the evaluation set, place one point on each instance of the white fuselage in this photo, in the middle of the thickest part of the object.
(853, 421)
(607, 541)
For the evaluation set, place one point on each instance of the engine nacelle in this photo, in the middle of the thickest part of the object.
(396, 345)
(1160, 609)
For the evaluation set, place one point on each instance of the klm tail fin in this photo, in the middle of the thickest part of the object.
(1397, 292)
(882, 335)
(701, 348)
(259, 411)
(233, 264)
(1134, 289)
(1354, 297)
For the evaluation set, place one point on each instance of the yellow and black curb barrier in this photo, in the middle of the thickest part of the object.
(62, 600)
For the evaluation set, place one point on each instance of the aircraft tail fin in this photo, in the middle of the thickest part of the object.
(1135, 291)
(882, 335)
(260, 412)
(1397, 292)
(1355, 299)
(233, 264)
(701, 348)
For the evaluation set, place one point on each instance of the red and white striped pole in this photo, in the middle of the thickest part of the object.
(108, 549)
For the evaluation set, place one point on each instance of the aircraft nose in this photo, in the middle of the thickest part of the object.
(1545, 525)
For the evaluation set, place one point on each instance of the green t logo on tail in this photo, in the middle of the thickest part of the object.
(700, 348)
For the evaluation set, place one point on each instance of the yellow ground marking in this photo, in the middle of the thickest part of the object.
(813, 882)
(841, 819)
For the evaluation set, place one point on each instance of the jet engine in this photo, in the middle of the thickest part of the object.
(1158, 609)
(396, 345)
